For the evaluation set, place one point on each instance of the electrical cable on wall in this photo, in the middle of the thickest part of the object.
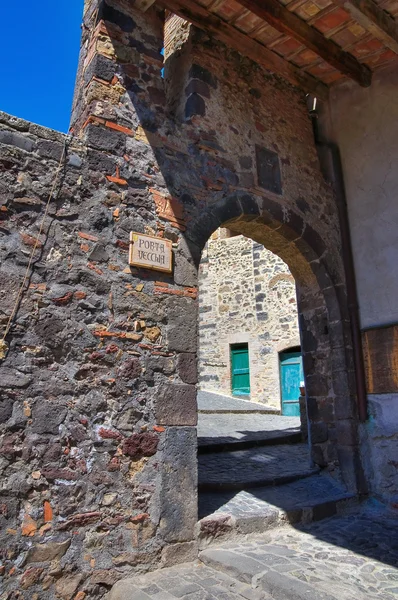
(3, 344)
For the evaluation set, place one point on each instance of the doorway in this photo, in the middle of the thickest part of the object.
(240, 372)
(291, 378)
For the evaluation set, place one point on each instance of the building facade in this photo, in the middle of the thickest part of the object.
(247, 299)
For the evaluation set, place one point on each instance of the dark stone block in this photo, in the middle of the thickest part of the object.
(347, 434)
(317, 384)
(312, 408)
(16, 139)
(318, 455)
(98, 161)
(226, 209)
(187, 367)
(182, 325)
(262, 316)
(100, 67)
(249, 205)
(246, 162)
(123, 21)
(156, 95)
(246, 180)
(11, 378)
(345, 407)
(106, 139)
(268, 170)
(176, 405)
(50, 149)
(186, 259)
(99, 254)
(351, 469)
(195, 105)
(314, 241)
(47, 417)
(319, 433)
(200, 87)
(272, 213)
(198, 72)
(5, 409)
(179, 481)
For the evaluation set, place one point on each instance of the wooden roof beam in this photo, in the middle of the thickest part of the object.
(287, 22)
(203, 19)
(374, 19)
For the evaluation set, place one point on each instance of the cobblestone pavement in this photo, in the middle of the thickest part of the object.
(269, 501)
(212, 402)
(245, 428)
(351, 557)
(193, 581)
(254, 467)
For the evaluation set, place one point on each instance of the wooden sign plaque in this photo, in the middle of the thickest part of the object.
(148, 252)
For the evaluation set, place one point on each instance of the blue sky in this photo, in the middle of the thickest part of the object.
(40, 49)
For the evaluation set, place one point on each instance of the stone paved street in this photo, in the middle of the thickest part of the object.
(352, 557)
(254, 467)
(219, 403)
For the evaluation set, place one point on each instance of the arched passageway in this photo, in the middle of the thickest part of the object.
(321, 310)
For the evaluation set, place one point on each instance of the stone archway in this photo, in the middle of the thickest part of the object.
(323, 335)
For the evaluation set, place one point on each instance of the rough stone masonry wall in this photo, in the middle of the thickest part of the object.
(98, 403)
(246, 295)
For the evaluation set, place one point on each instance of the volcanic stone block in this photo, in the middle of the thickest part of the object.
(15, 139)
(185, 271)
(182, 326)
(11, 378)
(178, 501)
(47, 417)
(106, 139)
(5, 409)
(176, 405)
(187, 367)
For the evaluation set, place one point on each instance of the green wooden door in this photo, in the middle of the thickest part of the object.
(291, 372)
(240, 375)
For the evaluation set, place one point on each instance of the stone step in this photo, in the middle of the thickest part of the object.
(259, 575)
(230, 432)
(257, 467)
(227, 514)
(207, 445)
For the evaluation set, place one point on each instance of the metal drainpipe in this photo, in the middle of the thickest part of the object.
(348, 262)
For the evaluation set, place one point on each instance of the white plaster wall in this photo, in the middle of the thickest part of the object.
(365, 127)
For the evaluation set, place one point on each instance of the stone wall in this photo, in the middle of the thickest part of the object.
(246, 295)
(98, 399)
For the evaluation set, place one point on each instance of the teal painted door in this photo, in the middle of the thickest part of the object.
(240, 375)
(291, 370)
